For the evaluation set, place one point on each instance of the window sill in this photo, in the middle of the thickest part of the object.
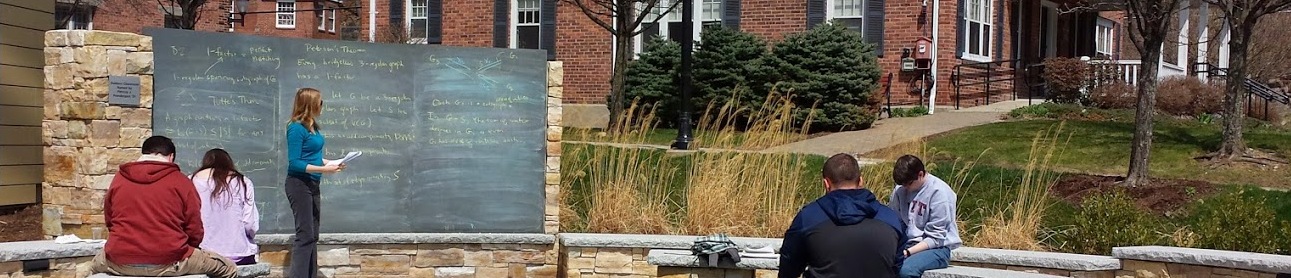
(976, 58)
(285, 27)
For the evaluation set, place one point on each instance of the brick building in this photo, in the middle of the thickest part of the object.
(975, 40)
(966, 32)
(133, 15)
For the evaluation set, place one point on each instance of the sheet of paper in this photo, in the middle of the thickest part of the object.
(346, 159)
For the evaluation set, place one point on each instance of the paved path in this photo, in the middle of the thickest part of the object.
(890, 132)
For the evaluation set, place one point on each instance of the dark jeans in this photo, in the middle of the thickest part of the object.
(303, 195)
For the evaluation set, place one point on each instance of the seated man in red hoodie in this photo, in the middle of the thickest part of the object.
(154, 220)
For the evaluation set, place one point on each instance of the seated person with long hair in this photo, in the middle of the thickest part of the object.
(228, 208)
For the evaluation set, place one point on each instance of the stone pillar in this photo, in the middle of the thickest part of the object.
(555, 91)
(84, 137)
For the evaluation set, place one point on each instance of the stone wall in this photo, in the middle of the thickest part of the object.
(435, 255)
(74, 267)
(613, 255)
(85, 138)
(1050, 271)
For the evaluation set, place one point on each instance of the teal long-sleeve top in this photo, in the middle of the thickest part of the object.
(303, 148)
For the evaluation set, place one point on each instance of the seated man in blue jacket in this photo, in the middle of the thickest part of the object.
(846, 233)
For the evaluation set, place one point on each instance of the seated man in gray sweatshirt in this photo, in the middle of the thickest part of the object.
(927, 206)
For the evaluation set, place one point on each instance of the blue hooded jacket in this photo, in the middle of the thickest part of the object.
(846, 233)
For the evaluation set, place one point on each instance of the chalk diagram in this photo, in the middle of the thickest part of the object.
(482, 71)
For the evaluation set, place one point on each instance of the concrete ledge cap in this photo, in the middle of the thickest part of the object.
(244, 271)
(45, 249)
(683, 258)
(654, 241)
(974, 272)
(444, 238)
(1216, 258)
(1063, 261)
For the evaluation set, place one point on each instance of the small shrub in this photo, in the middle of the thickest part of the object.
(1109, 220)
(650, 80)
(1237, 222)
(1066, 77)
(1188, 96)
(829, 69)
(909, 112)
(1030, 112)
(1117, 95)
(729, 63)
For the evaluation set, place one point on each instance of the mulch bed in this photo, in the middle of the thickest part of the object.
(1159, 196)
(20, 223)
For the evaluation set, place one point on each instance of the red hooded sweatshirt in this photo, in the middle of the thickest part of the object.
(153, 214)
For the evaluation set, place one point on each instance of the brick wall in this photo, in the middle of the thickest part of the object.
(585, 48)
(85, 138)
(265, 24)
(468, 23)
(773, 19)
(133, 16)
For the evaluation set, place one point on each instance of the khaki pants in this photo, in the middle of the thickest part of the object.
(201, 262)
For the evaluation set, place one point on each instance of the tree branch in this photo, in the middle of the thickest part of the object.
(594, 16)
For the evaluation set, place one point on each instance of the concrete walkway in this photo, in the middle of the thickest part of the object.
(893, 131)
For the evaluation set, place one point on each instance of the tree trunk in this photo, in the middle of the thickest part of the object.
(622, 55)
(1233, 146)
(1141, 148)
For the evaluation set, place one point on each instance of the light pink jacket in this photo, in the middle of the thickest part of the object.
(231, 220)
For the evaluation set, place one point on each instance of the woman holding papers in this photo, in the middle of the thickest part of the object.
(305, 166)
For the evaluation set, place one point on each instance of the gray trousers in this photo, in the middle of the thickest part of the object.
(303, 195)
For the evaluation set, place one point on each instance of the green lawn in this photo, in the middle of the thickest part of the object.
(1104, 148)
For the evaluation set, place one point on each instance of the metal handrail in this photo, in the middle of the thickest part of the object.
(992, 68)
(1253, 88)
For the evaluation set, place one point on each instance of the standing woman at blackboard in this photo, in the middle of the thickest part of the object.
(304, 170)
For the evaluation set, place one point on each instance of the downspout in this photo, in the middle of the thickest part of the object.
(936, 45)
(372, 20)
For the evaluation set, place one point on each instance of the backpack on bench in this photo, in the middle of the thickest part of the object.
(715, 247)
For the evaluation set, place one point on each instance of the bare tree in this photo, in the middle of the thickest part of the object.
(1243, 16)
(1150, 20)
(626, 16)
(183, 14)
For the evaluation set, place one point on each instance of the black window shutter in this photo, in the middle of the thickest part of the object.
(501, 23)
(547, 30)
(875, 12)
(998, 46)
(435, 22)
(815, 13)
(960, 24)
(396, 13)
(731, 14)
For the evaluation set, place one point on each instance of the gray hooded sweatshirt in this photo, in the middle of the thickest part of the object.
(929, 213)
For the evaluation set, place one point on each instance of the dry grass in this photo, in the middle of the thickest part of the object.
(630, 192)
(1019, 225)
(744, 193)
(739, 193)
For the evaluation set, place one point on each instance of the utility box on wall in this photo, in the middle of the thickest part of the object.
(923, 53)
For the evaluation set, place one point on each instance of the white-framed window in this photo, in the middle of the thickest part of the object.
(850, 13)
(74, 17)
(977, 30)
(331, 21)
(322, 20)
(526, 22)
(706, 13)
(286, 14)
(1105, 37)
(418, 12)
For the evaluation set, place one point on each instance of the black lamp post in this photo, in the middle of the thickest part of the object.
(687, 47)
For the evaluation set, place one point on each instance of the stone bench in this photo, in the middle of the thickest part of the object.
(1191, 261)
(683, 258)
(977, 272)
(244, 271)
(1061, 264)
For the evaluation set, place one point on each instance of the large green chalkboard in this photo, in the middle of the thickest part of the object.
(452, 138)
